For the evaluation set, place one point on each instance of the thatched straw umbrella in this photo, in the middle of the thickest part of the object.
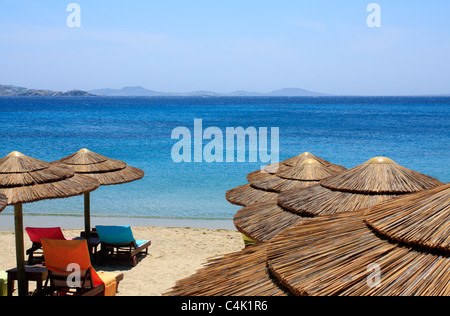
(243, 273)
(303, 175)
(373, 182)
(24, 180)
(265, 188)
(331, 254)
(246, 195)
(106, 171)
(289, 163)
(407, 239)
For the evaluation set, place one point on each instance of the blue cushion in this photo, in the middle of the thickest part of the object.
(140, 242)
(116, 235)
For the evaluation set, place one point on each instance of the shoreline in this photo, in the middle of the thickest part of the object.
(77, 222)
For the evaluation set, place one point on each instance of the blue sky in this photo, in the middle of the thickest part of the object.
(227, 45)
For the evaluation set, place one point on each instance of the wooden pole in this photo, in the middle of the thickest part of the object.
(87, 214)
(20, 250)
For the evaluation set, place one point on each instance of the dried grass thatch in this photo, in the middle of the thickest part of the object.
(407, 237)
(3, 202)
(309, 170)
(333, 255)
(24, 179)
(257, 175)
(106, 171)
(363, 186)
(380, 176)
(306, 174)
(262, 222)
(319, 200)
(422, 219)
(273, 183)
(243, 273)
(288, 164)
(247, 195)
(297, 160)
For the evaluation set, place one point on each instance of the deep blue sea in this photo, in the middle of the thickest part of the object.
(414, 132)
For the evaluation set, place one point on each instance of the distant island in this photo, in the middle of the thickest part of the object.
(142, 92)
(9, 90)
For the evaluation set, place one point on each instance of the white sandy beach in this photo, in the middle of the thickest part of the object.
(175, 253)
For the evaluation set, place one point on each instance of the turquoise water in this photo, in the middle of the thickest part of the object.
(414, 132)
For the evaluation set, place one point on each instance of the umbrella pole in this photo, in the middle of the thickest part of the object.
(20, 250)
(87, 214)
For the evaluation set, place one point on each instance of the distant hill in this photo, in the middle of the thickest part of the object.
(294, 92)
(9, 90)
(126, 92)
(140, 91)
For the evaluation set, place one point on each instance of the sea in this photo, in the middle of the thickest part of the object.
(413, 131)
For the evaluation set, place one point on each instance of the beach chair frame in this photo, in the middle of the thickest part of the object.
(75, 256)
(53, 287)
(32, 260)
(128, 252)
(56, 285)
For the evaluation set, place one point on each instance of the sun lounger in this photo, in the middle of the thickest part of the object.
(119, 242)
(36, 234)
(70, 271)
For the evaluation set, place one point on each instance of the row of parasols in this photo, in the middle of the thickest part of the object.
(322, 230)
(24, 180)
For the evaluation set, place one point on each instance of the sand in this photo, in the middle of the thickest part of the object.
(175, 253)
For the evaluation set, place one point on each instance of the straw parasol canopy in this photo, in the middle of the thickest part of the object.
(265, 188)
(306, 174)
(373, 182)
(289, 163)
(407, 239)
(105, 170)
(294, 161)
(243, 273)
(24, 180)
(307, 250)
(247, 195)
